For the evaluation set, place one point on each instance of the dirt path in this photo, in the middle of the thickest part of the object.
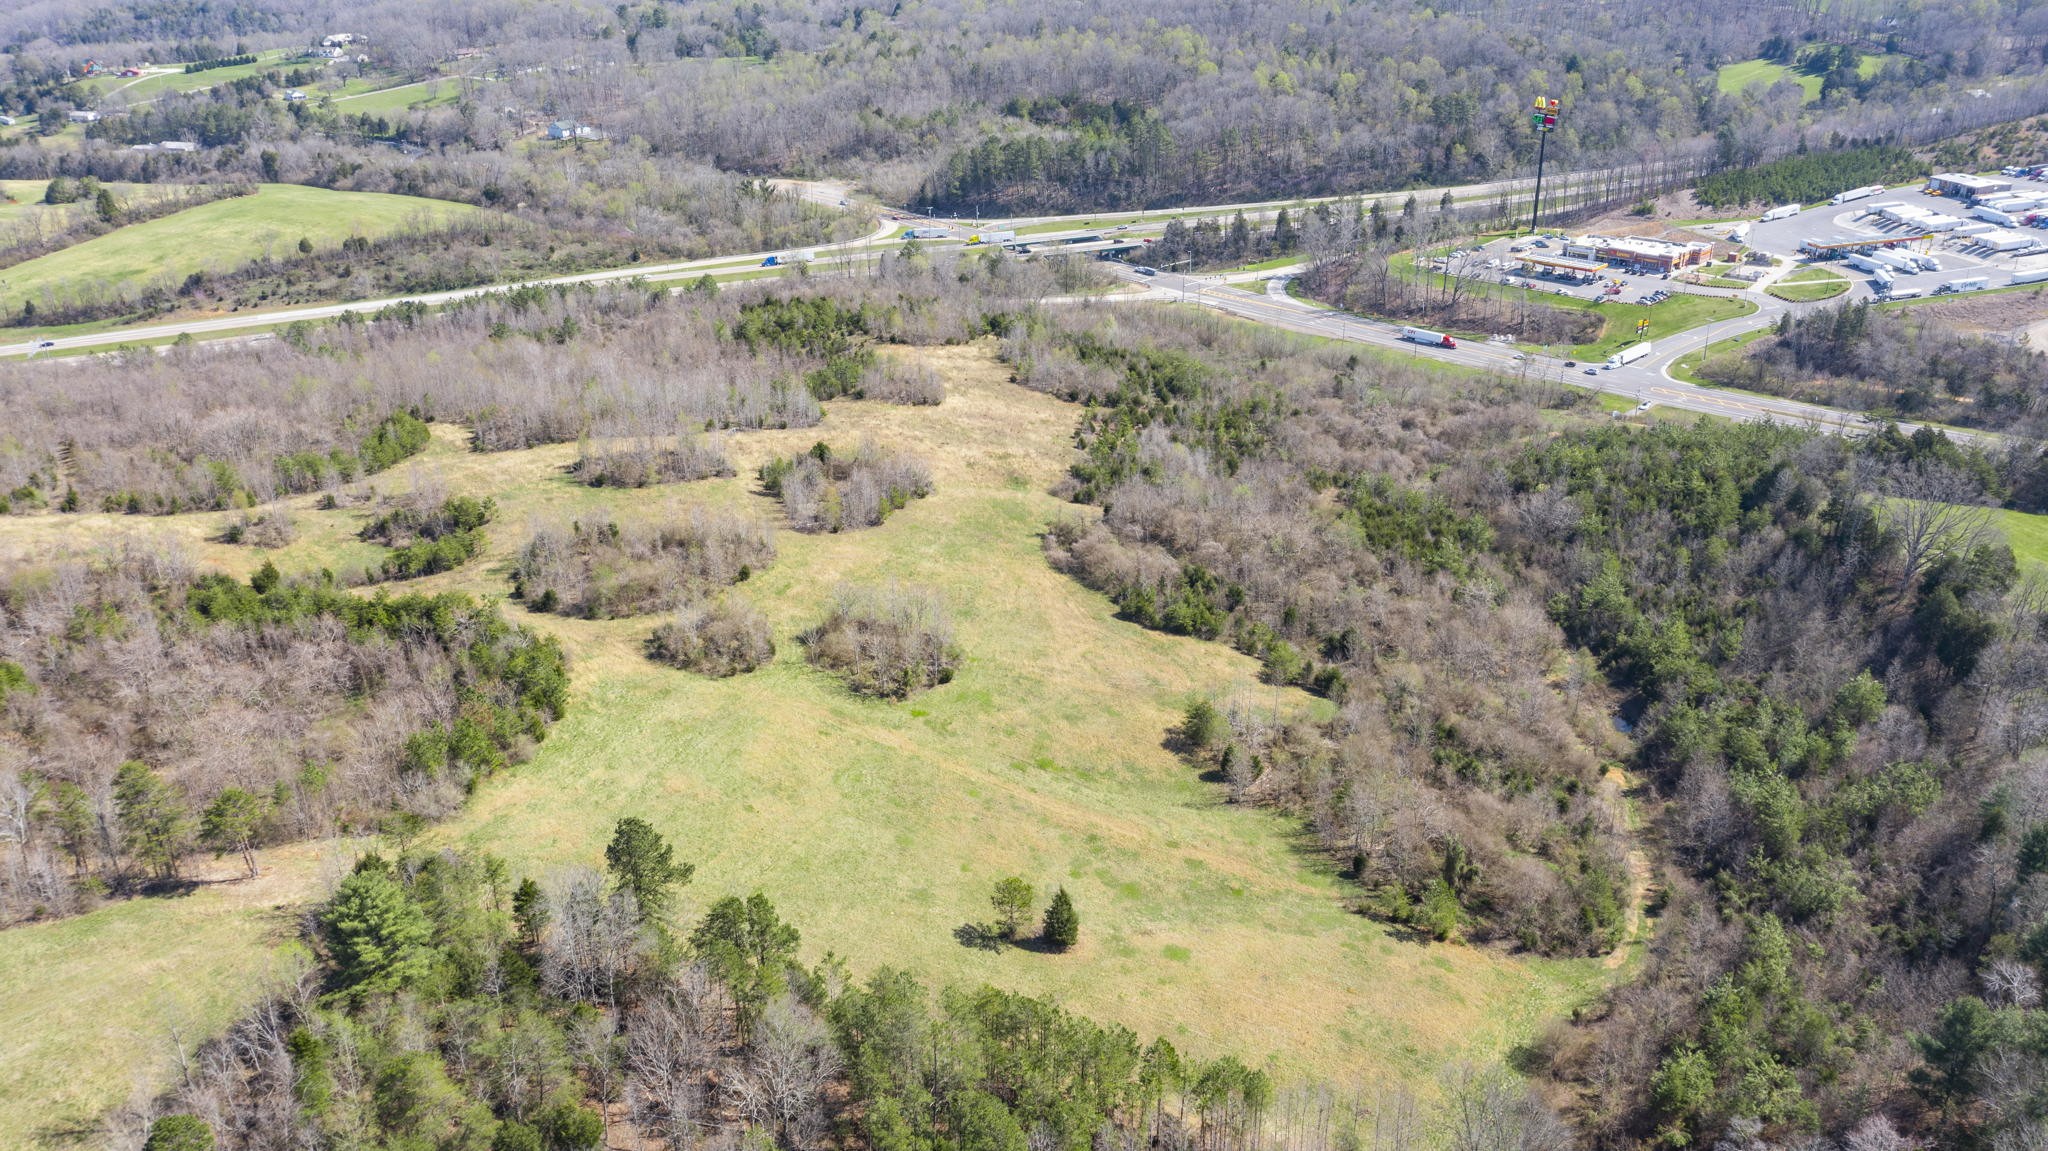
(1614, 792)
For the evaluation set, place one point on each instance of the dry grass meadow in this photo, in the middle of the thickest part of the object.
(877, 827)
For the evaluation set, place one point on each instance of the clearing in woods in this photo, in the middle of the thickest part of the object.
(878, 828)
(217, 237)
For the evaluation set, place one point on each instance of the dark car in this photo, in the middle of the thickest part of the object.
(1148, 271)
(1571, 363)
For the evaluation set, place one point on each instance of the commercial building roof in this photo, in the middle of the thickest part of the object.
(1968, 183)
(1563, 263)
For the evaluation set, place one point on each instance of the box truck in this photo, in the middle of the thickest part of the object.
(1628, 355)
(1425, 336)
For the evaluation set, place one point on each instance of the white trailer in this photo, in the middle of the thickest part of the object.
(2037, 276)
(1425, 336)
(2003, 241)
(994, 236)
(1973, 229)
(1938, 222)
(1896, 262)
(925, 234)
(1927, 263)
(1865, 262)
(1881, 282)
(1903, 294)
(1739, 235)
(1992, 215)
(1857, 194)
(1629, 355)
(1780, 212)
(1972, 284)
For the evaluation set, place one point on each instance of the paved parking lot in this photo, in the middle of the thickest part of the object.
(1504, 270)
(1854, 219)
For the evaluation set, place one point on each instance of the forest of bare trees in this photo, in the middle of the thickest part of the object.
(1020, 106)
(147, 711)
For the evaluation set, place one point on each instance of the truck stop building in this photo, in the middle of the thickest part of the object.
(1564, 266)
(1964, 186)
(1639, 253)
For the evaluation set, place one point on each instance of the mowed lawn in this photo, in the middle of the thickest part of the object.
(216, 237)
(878, 828)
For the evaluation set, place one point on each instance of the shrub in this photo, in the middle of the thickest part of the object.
(604, 571)
(719, 639)
(825, 492)
(897, 382)
(269, 529)
(638, 464)
(888, 643)
(427, 538)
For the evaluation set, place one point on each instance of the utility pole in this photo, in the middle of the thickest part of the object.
(1543, 118)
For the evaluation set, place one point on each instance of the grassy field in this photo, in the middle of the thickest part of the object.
(219, 236)
(1683, 368)
(2028, 535)
(1733, 78)
(135, 90)
(1808, 284)
(879, 827)
(400, 98)
(94, 1006)
(1682, 312)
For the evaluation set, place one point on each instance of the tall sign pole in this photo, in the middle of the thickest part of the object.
(1543, 118)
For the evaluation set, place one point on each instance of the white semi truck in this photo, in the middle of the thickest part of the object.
(1780, 212)
(1425, 336)
(1857, 193)
(1628, 355)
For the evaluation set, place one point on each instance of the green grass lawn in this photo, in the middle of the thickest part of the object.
(1733, 78)
(2027, 533)
(1682, 312)
(879, 827)
(219, 236)
(1683, 367)
(149, 87)
(400, 98)
(1809, 284)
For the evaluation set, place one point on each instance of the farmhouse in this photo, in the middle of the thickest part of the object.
(572, 130)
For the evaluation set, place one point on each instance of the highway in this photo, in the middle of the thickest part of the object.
(1648, 379)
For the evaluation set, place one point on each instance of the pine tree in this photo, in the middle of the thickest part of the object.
(154, 824)
(1062, 922)
(230, 823)
(377, 934)
(644, 864)
(1012, 902)
(530, 909)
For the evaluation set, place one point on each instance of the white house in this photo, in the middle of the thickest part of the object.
(81, 116)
